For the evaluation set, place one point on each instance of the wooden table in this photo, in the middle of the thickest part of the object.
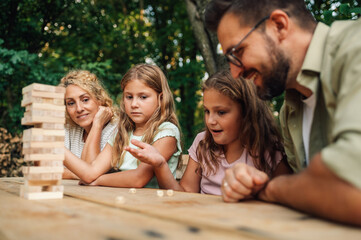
(88, 212)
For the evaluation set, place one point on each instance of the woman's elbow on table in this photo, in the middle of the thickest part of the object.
(89, 177)
(88, 180)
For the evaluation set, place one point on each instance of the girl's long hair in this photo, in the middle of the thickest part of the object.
(153, 77)
(259, 133)
(91, 84)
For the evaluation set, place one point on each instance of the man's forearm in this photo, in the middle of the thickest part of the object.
(317, 191)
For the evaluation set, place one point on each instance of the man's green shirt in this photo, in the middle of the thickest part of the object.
(332, 71)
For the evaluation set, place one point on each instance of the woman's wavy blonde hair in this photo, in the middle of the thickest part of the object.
(153, 77)
(92, 85)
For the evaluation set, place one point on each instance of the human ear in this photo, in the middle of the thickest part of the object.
(160, 97)
(279, 24)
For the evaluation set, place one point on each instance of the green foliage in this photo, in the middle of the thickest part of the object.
(331, 10)
(186, 98)
(17, 69)
(344, 11)
(42, 40)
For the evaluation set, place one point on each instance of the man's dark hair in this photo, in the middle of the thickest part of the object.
(251, 11)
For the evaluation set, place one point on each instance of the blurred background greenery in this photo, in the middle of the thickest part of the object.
(41, 40)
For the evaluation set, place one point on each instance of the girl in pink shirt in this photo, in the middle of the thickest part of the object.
(240, 129)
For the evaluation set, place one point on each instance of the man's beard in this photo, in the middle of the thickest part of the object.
(274, 78)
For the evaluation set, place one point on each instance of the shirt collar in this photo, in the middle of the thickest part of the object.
(311, 66)
(312, 63)
(314, 55)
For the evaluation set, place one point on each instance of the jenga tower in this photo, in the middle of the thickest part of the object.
(44, 143)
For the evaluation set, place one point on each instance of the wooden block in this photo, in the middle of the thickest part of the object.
(44, 113)
(44, 132)
(52, 95)
(37, 169)
(43, 176)
(52, 163)
(28, 182)
(44, 157)
(43, 88)
(41, 150)
(54, 126)
(40, 195)
(34, 144)
(44, 195)
(43, 135)
(31, 100)
(36, 120)
(59, 188)
(43, 187)
(31, 189)
(45, 106)
(45, 139)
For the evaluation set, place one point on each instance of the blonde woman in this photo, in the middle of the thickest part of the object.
(91, 117)
(147, 114)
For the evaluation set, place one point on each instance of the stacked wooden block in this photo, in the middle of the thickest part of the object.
(43, 145)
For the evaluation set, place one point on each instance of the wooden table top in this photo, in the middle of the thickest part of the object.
(88, 212)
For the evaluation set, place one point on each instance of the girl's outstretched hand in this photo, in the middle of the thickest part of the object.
(146, 153)
(242, 182)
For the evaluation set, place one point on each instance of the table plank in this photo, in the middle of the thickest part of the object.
(247, 219)
(73, 218)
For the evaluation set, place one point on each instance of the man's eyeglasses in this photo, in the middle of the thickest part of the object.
(230, 55)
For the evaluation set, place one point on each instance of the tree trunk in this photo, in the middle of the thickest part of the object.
(206, 41)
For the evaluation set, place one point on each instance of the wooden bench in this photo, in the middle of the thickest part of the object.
(183, 166)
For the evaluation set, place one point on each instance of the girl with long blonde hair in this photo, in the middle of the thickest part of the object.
(240, 129)
(147, 114)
